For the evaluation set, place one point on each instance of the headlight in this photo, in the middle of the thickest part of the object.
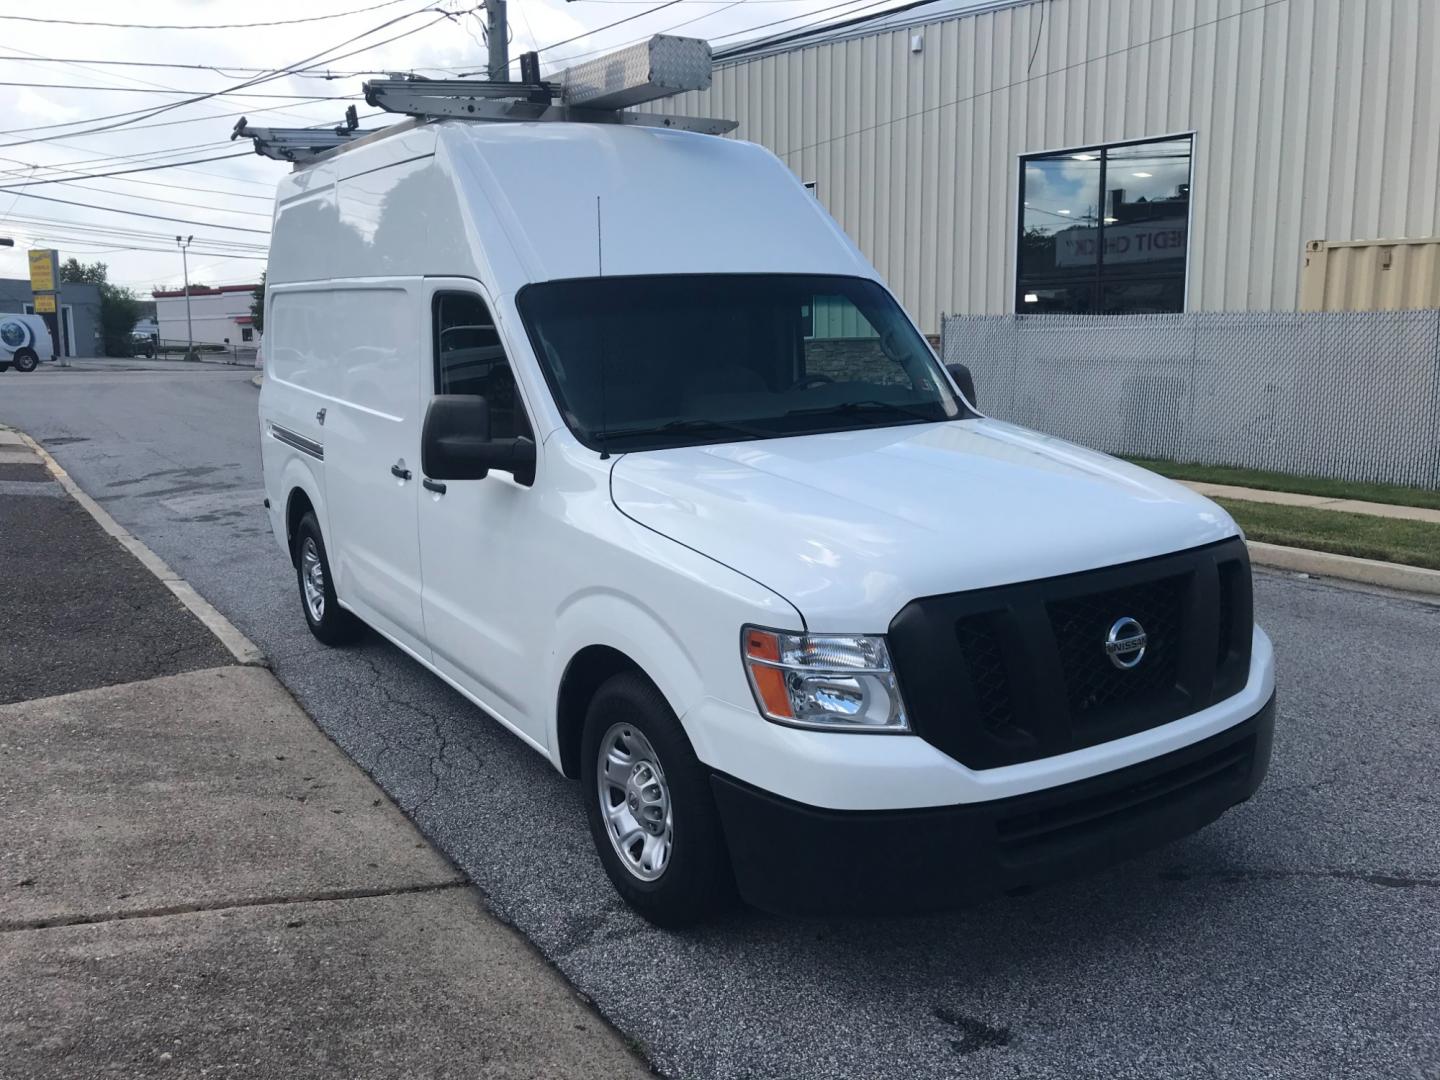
(836, 682)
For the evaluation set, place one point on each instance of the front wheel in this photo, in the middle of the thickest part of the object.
(328, 621)
(649, 806)
(26, 360)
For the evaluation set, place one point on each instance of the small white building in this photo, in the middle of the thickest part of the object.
(218, 316)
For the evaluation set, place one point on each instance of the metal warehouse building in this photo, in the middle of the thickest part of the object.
(1113, 156)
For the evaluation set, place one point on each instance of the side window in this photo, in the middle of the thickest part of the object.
(469, 359)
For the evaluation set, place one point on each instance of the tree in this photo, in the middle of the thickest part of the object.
(257, 306)
(119, 311)
(74, 272)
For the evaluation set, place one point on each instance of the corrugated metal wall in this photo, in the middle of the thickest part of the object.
(1314, 120)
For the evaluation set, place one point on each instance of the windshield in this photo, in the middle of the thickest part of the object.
(640, 363)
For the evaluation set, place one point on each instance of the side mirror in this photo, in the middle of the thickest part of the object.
(455, 443)
(965, 381)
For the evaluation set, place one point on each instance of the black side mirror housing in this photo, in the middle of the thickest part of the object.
(455, 443)
(965, 381)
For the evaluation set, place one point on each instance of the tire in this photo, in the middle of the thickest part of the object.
(4, 367)
(26, 360)
(671, 789)
(328, 621)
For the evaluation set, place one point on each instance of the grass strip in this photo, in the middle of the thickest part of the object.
(1414, 543)
(1324, 487)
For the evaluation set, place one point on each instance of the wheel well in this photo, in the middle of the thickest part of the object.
(586, 673)
(295, 509)
(27, 351)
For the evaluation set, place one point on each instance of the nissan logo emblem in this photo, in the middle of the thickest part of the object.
(1125, 643)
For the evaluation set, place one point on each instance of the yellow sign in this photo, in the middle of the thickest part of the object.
(43, 276)
(44, 303)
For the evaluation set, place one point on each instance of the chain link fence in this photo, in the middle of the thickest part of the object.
(1349, 395)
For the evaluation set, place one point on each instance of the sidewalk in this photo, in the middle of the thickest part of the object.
(1318, 502)
(195, 881)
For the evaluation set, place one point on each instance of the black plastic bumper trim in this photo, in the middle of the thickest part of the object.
(792, 858)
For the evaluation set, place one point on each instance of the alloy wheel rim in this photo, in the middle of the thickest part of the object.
(635, 802)
(312, 579)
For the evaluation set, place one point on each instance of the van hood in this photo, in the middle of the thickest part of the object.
(851, 526)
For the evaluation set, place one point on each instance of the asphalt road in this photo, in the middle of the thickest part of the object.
(1298, 936)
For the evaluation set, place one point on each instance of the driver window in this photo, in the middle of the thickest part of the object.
(469, 359)
(842, 346)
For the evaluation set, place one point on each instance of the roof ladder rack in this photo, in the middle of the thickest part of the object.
(299, 145)
(598, 91)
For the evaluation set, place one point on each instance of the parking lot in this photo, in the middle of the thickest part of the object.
(1298, 936)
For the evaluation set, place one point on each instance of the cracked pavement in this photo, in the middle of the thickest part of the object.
(1298, 936)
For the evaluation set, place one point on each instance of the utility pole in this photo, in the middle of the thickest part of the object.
(185, 265)
(497, 34)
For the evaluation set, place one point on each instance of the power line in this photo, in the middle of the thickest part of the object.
(607, 26)
(154, 199)
(81, 66)
(141, 127)
(224, 69)
(808, 26)
(98, 235)
(278, 74)
(144, 156)
(200, 26)
(122, 172)
(138, 213)
(60, 231)
(148, 90)
(749, 30)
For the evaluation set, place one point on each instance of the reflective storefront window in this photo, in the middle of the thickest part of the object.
(1105, 229)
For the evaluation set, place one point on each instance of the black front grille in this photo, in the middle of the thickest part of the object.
(1092, 683)
(1010, 674)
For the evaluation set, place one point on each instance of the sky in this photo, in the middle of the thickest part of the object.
(61, 84)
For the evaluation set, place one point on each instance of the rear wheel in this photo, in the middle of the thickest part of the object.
(26, 360)
(327, 620)
(649, 806)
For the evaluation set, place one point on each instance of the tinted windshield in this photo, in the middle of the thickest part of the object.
(638, 363)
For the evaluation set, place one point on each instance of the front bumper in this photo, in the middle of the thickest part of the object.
(793, 858)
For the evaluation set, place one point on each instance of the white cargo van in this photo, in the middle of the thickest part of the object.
(613, 429)
(24, 341)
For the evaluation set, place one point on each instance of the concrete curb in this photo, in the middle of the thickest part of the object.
(242, 648)
(1416, 579)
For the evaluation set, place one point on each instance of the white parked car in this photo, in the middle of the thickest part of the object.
(614, 430)
(24, 342)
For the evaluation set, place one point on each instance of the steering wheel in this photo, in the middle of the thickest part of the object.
(807, 381)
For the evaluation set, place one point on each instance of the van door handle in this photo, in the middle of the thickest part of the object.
(398, 470)
(433, 485)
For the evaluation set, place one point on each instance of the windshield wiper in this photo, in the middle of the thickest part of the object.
(696, 424)
(866, 405)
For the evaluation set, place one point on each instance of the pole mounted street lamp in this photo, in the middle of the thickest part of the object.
(182, 244)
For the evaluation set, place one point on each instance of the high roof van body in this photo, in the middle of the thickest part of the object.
(614, 430)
